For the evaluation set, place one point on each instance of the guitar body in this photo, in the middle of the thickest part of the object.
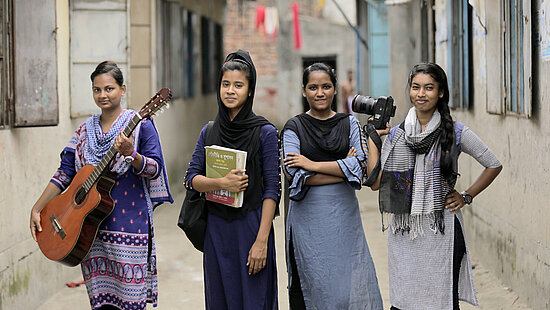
(69, 228)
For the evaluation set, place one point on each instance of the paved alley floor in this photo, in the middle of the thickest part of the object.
(180, 267)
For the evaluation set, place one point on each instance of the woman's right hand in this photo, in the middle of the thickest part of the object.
(35, 223)
(383, 132)
(235, 181)
(50, 192)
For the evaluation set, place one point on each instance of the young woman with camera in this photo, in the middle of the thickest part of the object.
(429, 265)
(240, 271)
(330, 266)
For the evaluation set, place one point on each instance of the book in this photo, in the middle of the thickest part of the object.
(219, 161)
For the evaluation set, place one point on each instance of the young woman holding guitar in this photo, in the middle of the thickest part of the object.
(120, 268)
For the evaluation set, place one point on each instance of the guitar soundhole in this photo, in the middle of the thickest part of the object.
(80, 196)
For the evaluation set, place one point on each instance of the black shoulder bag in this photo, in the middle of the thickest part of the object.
(193, 214)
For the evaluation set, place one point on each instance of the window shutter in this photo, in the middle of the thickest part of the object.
(527, 62)
(99, 31)
(35, 63)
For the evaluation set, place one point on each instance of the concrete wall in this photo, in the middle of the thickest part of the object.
(30, 156)
(28, 159)
(179, 127)
(507, 225)
(405, 51)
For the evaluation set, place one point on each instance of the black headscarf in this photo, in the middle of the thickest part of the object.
(241, 133)
(321, 140)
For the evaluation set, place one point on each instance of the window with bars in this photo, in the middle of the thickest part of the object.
(516, 57)
(192, 47)
(460, 71)
(211, 53)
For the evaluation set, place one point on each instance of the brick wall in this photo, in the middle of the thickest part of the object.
(240, 32)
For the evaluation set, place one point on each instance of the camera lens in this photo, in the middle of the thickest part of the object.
(363, 104)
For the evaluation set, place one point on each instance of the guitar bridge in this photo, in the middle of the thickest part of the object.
(57, 227)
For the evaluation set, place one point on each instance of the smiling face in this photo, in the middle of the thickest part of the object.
(234, 91)
(425, 93)
(107, 93)
(319, 91)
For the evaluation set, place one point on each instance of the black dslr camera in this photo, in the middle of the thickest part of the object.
(382, 109)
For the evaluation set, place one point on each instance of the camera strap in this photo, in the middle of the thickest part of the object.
(371, 132)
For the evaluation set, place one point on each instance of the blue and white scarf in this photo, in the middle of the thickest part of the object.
(97, 142)
(90, 144)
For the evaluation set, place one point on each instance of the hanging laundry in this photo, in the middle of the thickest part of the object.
(260, 18)
(271, 22)
(296, 23)
(321, 4)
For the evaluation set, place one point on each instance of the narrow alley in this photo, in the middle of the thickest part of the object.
(180, 267)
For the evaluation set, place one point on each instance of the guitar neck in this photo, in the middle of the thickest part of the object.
(104, 163)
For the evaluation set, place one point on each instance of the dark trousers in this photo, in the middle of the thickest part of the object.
(459, 249)
(295, 295)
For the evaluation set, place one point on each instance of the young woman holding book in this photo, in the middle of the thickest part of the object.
(429, 265)
(239, 246)
(330, 266)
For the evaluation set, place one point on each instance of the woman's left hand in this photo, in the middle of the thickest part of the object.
(454, 201)
(123, 145)
(296, 160)
(257, 257)
(352, 152)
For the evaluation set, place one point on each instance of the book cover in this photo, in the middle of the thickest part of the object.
(219, 161)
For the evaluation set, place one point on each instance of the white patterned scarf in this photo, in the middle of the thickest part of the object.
(97, 142)
(412, 188)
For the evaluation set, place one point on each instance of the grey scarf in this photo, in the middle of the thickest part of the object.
(412, 188)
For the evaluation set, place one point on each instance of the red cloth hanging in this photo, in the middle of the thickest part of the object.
(296, 22)
(260, 18)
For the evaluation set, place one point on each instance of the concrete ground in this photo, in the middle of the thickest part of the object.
(180, 267)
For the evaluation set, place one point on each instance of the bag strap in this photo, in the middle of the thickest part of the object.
(373, 135)
(208, 129)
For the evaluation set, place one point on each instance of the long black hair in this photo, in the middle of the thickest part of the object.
(447, 125)
(111, 68)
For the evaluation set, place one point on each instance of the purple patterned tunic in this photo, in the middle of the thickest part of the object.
(120, 268)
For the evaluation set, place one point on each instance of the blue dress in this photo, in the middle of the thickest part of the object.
(227, 284)
(334, 264)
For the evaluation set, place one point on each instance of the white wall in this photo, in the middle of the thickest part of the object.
(507, 225)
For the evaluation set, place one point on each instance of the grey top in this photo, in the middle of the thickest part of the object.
(421, 270)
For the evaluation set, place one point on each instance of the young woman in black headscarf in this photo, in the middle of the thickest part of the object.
(330, 266)
(239, 247)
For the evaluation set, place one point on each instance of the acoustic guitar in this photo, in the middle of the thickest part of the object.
(70, 221)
